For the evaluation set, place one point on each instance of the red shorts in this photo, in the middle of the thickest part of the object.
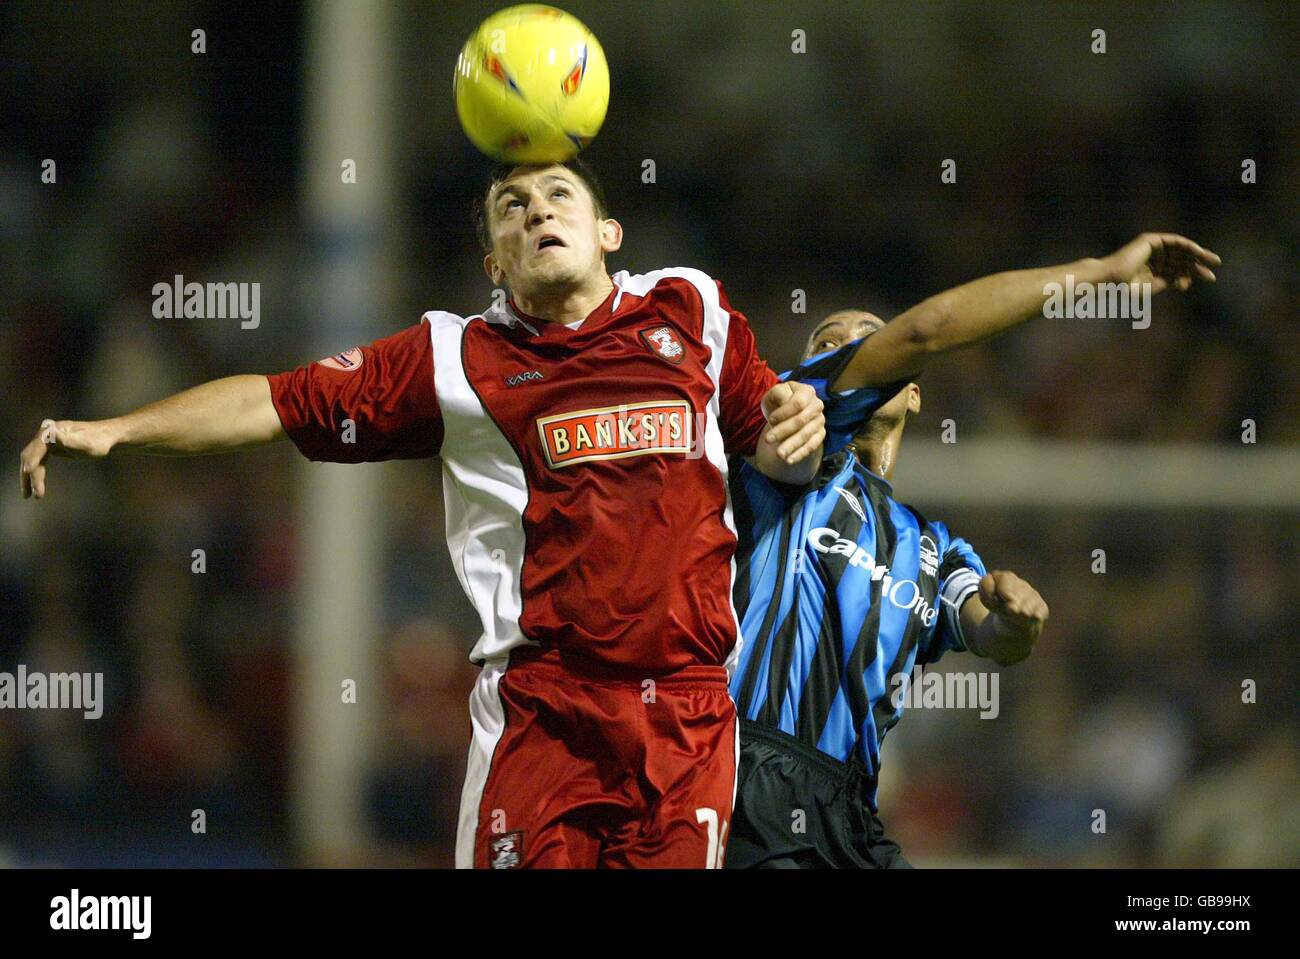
(579, 768)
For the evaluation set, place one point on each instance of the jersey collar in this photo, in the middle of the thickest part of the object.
(847, 461)
(539, 327)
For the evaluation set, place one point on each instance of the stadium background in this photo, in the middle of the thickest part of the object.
(775, 171)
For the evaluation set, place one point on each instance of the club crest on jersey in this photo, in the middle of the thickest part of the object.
(506, 852)
(929, 556)
(346, 361)
(615, 432)
(663, 340)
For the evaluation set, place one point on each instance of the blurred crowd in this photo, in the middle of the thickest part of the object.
(775, 172)
(1162, 693)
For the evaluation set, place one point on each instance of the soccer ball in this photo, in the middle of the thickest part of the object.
(531, 85)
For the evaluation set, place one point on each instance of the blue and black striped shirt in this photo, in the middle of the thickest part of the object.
(839, 587)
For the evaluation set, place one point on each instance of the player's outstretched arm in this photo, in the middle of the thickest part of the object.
(992, 305)
(790, 449)
(233, 413)
(1004, 619)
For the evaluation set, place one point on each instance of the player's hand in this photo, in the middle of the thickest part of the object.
(1163, 260)
(70, 438)
(1016, 604)
(796, 426)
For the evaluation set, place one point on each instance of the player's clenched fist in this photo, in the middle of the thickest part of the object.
(62, 437)
(1014, 601)
(796, 426)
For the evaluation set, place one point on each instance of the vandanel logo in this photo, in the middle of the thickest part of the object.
(614, 432)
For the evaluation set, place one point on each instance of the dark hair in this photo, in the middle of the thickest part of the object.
(502, 171)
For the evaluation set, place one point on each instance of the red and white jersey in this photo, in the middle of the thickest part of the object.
(585, 469)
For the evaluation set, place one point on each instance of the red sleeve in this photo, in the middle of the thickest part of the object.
(385, 389)
(745, 379)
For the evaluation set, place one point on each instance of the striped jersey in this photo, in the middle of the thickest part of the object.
(839, 588)
(584, 467)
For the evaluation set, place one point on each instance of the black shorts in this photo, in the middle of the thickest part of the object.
(798, 808)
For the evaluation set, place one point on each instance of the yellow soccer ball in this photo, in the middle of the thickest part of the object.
(531, 85)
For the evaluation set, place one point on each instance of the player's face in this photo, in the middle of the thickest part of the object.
(840, 328)
(905, 401)
(545, 232)
(845, 327)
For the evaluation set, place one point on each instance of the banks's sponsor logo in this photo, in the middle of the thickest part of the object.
(614, 432)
